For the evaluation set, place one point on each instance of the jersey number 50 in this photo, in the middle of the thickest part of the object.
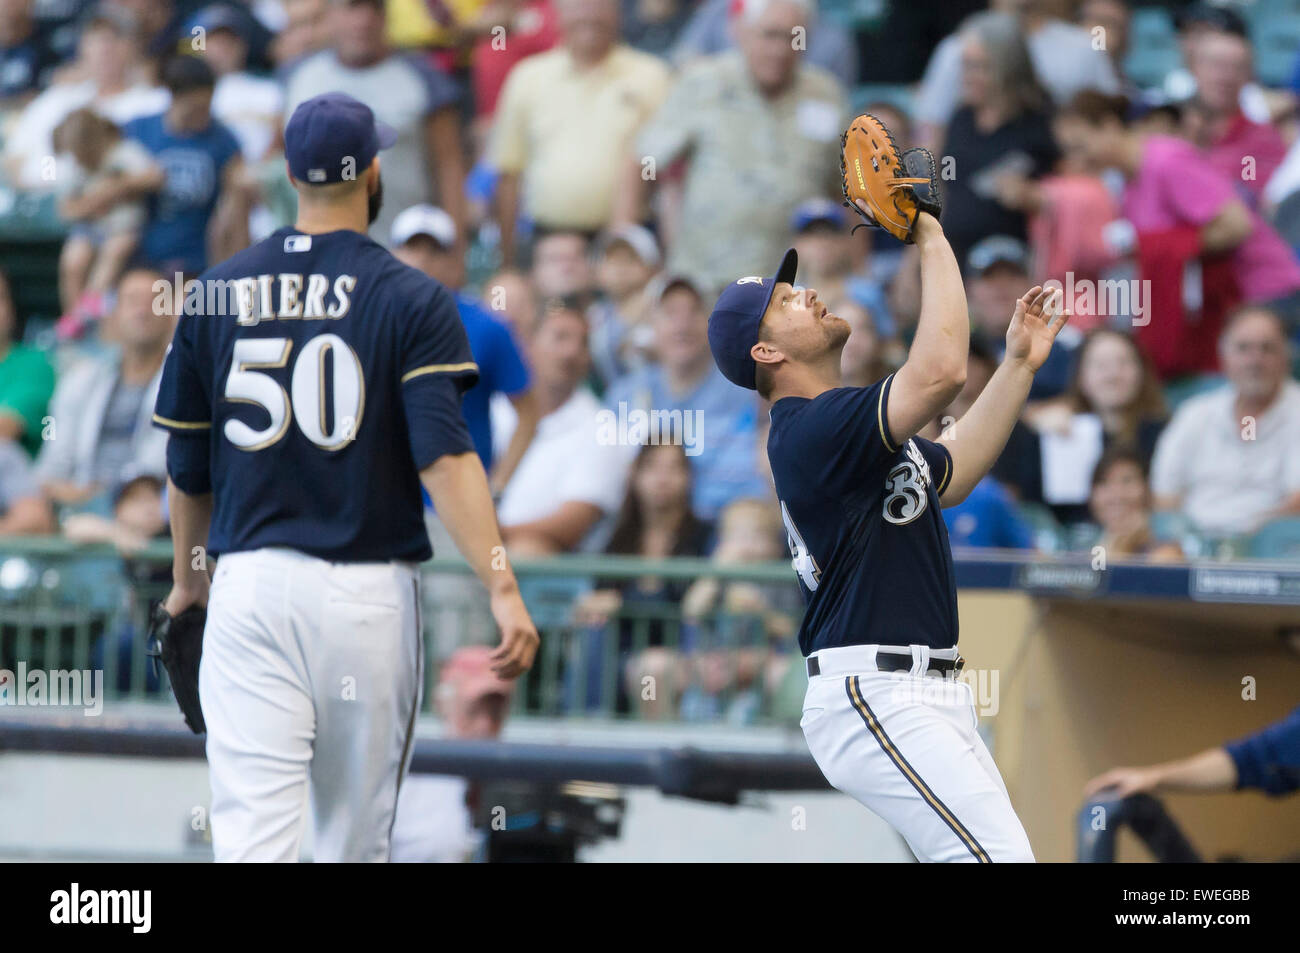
(247, 384)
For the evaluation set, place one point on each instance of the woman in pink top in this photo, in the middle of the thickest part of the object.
(1170, 184)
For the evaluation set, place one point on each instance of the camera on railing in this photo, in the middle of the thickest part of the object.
(529, 822)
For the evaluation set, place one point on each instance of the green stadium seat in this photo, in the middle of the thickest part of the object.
(1048, 534)
(1153, 47)
(1280, 539)
(1277, 42)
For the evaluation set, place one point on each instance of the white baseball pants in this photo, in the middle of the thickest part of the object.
(905, 745)
(310, 679)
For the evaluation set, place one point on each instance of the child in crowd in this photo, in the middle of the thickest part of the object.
(105, 228)
(741, 630)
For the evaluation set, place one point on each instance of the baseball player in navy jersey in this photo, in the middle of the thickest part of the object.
(860, 496)
(304, 416)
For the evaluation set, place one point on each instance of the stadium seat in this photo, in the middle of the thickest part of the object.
(1280, 539)
(1153, 47)
(1049, 537)
(1277, 42)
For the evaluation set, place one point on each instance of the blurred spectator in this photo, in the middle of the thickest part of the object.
(433, 823)
(997, 273)
(1114, 399)
(719, 420)
(137, 518)
(759, 130)
(26, 381)
(1168, 228)
(428, 162)
(866, 357)
(23, 510)
(512, 297)
(1195, 22)
(530, 27)
(561, 264)
(250, 106)
(1120, 503)
(711, 30)
(102, 194)
(738, 649)
(552, 505)
(1063, 57)
(1244, 151)
(828, 253)
(566, 120)
(306, 30)
(107, 71)
(25, 56)
(1229, 459)
(656, 522)
(622, 334)
(201, 212)
(159, 24)
(101, 411)
(1112, 18)
(424, 237)
(987, 517)
(1268, 760)
(1000, 138)
(653, 26)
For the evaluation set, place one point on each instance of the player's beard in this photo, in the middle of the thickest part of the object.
(375, 200)
(837, 332)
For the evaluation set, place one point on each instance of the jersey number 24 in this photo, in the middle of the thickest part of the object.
(305, 401)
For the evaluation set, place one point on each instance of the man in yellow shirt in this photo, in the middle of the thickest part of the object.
(567, 118)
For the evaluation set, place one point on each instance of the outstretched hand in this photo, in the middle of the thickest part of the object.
(1038, 318)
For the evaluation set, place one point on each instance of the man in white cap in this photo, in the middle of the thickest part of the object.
(424, 237)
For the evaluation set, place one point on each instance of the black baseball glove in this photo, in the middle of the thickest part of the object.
(178, 642)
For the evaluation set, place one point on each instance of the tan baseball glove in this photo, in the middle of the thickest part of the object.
(895, 186)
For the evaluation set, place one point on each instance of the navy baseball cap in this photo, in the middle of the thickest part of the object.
(733, 325)
(333, 136)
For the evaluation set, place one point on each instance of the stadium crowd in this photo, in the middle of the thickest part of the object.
(587, 175)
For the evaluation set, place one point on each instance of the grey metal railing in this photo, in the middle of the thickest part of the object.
(65, 606)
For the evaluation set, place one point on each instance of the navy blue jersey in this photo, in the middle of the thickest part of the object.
(319, 375)
(862, 515)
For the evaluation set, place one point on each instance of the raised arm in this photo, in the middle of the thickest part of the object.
(935, 369)
(977, 439)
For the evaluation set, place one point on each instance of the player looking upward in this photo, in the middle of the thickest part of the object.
(304, 417)
(860, 496)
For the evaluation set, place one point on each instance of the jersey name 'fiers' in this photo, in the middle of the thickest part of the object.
(310, 379)
(862, 516)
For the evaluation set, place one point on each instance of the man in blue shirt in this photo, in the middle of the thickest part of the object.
(424, 237)
(685, 399)
(200, 208)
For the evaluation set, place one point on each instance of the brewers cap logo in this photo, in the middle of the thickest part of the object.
(751, 280)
